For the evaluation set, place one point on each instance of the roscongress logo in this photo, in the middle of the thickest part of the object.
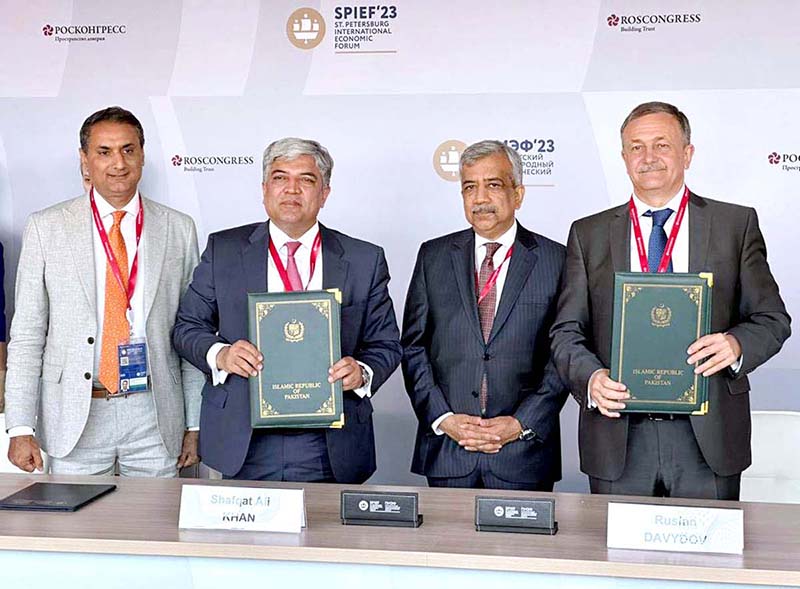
(788, 162)
(72, 33)
(210, 163)
(646, 23)
(305, 28)
(446, 158)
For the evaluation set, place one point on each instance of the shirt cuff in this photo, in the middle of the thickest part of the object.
(366, 390)
(589, 401)
(435, 425)
(20, 430)
(217, 376)
(193, 429)
(737, 366)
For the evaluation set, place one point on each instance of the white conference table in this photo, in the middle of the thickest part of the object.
(130, 538)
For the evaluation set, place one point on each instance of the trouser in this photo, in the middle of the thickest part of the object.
(287, 455)
(119, 431)
(483, 478)
(664, 460)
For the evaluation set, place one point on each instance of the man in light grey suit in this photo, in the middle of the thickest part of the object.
(99, 276)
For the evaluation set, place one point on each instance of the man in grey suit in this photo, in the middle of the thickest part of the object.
(663, 454)
(476, 350)
(99, 281)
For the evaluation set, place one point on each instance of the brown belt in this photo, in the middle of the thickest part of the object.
(105, 394)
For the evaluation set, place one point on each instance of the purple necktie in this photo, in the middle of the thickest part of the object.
(291, 265)
(486, 308)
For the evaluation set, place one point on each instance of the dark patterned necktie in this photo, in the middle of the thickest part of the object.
(486, 308)
(658, 239)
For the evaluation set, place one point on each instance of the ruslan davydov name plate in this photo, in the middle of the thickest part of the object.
(298, 333)
(656, 319)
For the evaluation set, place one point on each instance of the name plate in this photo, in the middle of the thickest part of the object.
(525, 516)
(380, 509)
(205, 507)
(676, 529)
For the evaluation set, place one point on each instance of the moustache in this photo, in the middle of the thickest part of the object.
(651, 168)
(483, 209)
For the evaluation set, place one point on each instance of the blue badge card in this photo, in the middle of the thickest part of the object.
(133, 369)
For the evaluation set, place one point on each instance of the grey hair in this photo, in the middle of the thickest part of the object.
(488, 147)
(290, 148)
(652, 108)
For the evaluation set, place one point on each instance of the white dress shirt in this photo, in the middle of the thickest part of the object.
(680, 253)
(136, 315)
(128, 229)
(302, 258)
(506, 241)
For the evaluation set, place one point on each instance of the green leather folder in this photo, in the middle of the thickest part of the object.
(298, 334)
(656, 318)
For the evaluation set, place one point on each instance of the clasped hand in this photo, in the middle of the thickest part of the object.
(477, 434)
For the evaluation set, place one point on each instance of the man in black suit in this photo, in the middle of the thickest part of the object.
(667, 455)
(476, 356)
(278, 255)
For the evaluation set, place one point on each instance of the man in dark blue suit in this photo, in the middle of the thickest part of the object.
(211, 328)
(476, 357)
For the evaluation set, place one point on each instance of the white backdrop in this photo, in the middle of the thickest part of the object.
(383, 86)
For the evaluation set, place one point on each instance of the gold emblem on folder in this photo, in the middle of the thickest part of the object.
(293, 331)
(661, 316)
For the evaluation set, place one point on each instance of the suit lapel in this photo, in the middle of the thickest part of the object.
(520, 266)
(155, 236)
(254, 259)
(462, 256)
(699, 233)
(619, 236)
(80, 227)
(334, 265)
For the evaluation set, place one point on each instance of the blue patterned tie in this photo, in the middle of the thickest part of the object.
(658, 239)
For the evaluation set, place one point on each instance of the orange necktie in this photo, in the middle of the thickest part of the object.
(115, 323)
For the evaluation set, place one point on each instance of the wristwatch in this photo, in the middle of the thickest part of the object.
(366, 379)
(527, 434)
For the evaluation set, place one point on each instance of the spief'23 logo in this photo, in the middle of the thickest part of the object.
(661, 316)
(305, 28)
(446, 158)
(294, 331)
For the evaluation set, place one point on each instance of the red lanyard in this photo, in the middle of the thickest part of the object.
(112, 260)
(490, 282)
(287, 286)
(673, 235)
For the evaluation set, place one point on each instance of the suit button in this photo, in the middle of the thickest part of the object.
(475, 394)
(487, 357)
(90, 340)
(87, 375)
